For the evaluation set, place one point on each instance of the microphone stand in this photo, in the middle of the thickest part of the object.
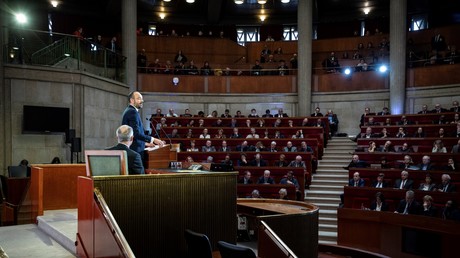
(163, 130)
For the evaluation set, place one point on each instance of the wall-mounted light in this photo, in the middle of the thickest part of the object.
(285, 1)
(262, 18)
(239, 1)
(190, 1)
(366, 10)
(21, 18)
(175, 81)
(162, 16)
(54, 3)
(262, 1)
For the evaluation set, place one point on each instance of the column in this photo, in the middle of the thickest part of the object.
(304, 45)
(129, 41)
(398, 34)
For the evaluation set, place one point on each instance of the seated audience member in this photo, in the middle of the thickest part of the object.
(428, 209)
(56, 160)
(367, 112)
(192, 69)
(456, 119)
(260, 122)
(248, 123)
(438, 147)
(208, 147)
(161, 124)
(256, 69)
(233, 123)
(384, 112)
(174, 134)
(283, 194)
(446, 186)
(305, 122)
(278, 135)
(304, 147)
(220, 134)
(317, 112)
(331, 64)
(281, 113)
(356, 181)
(379, 204)
(401, 133)
(441, 133)
(368, 134)
(277, 123)
(405, 121)
(238, 114)
(426, 163)
(227, 160)
(200, 114)
(206, 69)
(438, 109)
(235, 134)
(419, 133)
(252, 134)
(450, 165)
(225, 147)
(428, 184)
(371, 122)
(253, 113)
(380, 182)
(384, 164)
(408, 205)
(456, 148)
(260, 147)
(273, 147)
(226, 114)
(404, 182)
(244, 147)
(387, 122)
(450, 211)
(289, 147)
(189, 134)
(282, 162)
(158, 113)
(283, 69)
(192, 147)
(243, 161)
(298, 162)
(319, 123)
(457, 131)
(266, 178)
(266, 135)
(125, 139)
(372, 147)
(187, 113)
(455, 107)
(384, 133)
(246, 179)
(356, 163)
(267, 113)
(441, 120)
(298, 134)
(218, 123)
(387, 147)
(424, 110)
(333, 122)
(205, 134)
(171, 113)
(189, 160)
(290, 123)
(201, 122)
(361, 66)
(290, 179)
(255, 194)
(405, 148)
(213, 114)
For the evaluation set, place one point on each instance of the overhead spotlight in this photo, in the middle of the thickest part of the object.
(262, 18)
(262, 1)
(166, 0)
(347, 71)
(162, 16)
(285, 1)
(366, 10)
(54, 3)
(190, 1)
(383, 68)
(21, 18)
(239, 1)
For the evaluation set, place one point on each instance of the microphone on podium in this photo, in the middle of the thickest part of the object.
(161, 127)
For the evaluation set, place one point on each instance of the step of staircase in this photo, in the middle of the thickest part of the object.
(323, 193)
(329, 171)
(327, 228)
(316, 200)
(338, 182)
(327, 236)
(327, 206)
(326, 187)
(328, 221)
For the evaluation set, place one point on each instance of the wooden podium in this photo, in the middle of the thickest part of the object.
(161, 157)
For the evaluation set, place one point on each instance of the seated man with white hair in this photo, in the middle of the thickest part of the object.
(266, 178)
(446, 186)
(298, 163)
(125, 139)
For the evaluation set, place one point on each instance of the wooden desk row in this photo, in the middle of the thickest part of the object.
(270, 191)
(430, 130)
(438, 158)
(417, 144)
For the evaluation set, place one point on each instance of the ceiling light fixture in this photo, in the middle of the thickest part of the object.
(190, 1)
(366, 10)
(239, 1)
(285, 1)
(162, 16)
(166, 0)
(262, 18)
(54, 3)
(262, 1)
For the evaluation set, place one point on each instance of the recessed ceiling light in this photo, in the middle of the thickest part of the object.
(239, 1)
(285, 1)
(262, 1)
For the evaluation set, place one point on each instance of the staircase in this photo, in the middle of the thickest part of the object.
(327, 185)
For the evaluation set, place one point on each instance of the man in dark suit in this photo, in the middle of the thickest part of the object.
(438, 109)
(404, 182)
(408, 205)
(266, 178)
(132, 118)
(125, 139)
(356, 181)
(380, 182)
(455, 107)
(384, 112)
(356, 163)
(446, 186)
(246, 179)
(258, 161)
(426, 163)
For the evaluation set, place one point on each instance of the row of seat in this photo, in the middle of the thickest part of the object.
(415, 144)
(418, 119)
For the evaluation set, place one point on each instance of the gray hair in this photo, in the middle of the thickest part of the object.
(124, 133)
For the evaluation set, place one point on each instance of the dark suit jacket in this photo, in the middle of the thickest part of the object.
(431, 212)
(450, 188)
(408, 185)
(134, 159)
(241, 181)
(283, 163)
(261, 180)
(228, 149)
(383, 208)
(132, 118)
(361, 182)
(262, 162)
(384, 184)
(414, 207)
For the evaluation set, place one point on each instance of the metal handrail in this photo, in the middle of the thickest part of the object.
(290, 253)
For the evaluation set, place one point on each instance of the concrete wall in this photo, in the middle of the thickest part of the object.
(95, 103)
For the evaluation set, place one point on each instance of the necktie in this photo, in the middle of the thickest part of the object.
(406, 209)
(356, 183)
(445, 188)
(402, 184)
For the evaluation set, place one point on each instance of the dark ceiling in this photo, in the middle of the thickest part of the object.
(226, 12)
